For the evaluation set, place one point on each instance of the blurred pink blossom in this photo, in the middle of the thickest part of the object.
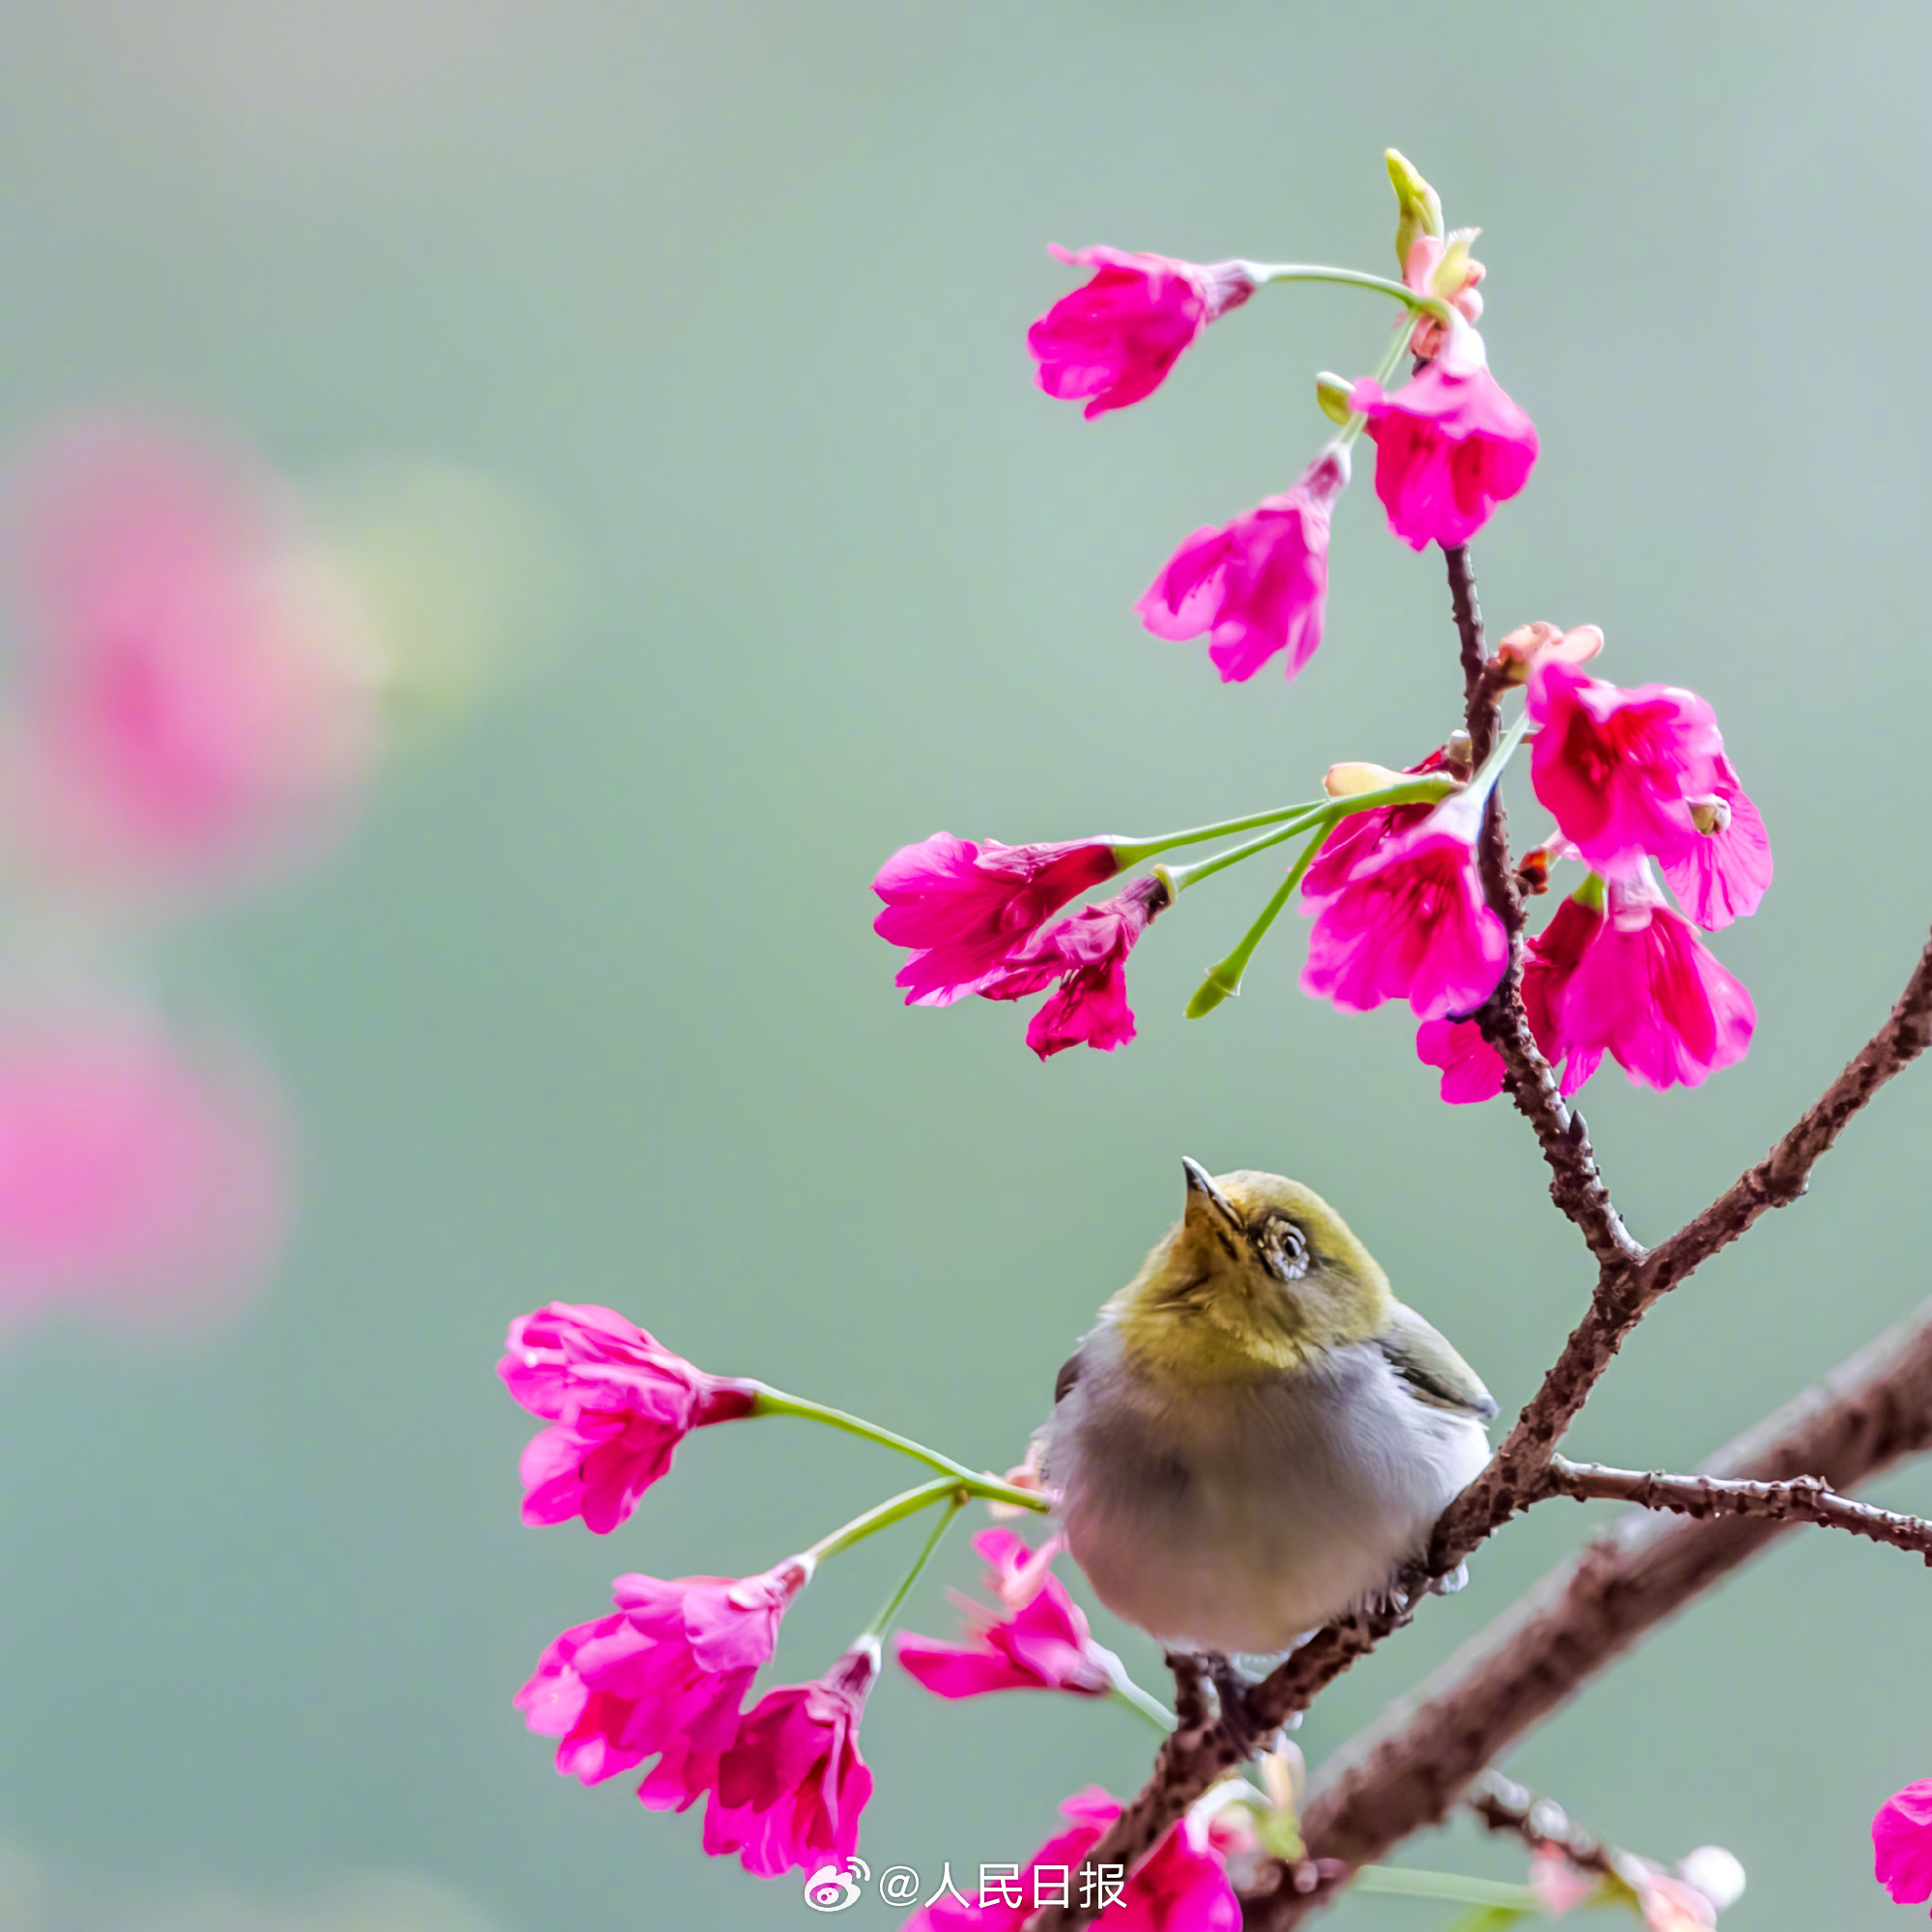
(196, 698)
(138, 1175)
(1559, 1885)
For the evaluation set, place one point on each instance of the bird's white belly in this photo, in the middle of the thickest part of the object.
(1239, 1520)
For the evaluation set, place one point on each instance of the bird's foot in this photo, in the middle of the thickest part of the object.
(1231, 1685)
(1413, 1580)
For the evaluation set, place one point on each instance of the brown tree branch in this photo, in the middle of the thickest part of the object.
(1625, 1294)
(1802, 1499)
(1576, 1185)
(1410, 1767)
(1630, 1279)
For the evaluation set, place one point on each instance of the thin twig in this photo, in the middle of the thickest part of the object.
(1802, 1499)
(1541, 1823)
(1409, 1770)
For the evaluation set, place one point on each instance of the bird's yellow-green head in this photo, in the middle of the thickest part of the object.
(1259, 1276)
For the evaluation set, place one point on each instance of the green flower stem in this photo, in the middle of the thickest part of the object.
(1131, 851)
(1224, 982)
(882, 1516)
(1424, 790)
(1484, 783)
(1143, 1703)
(1308, 272)
(1177, 878)
(1397, 1881)
(1391, 362)
(987, 1489)
(883, 1622)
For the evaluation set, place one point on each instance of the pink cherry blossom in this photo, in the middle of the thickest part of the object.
(1724, 874)
(1184, 1886)
(1041, 1644)
(198, 700)
(618, 1403)
(1648, 993)
(790, 1790)
(1259, 585)
(1088, 954)
(1360, 835)
(139, 1176)
(662, 1678)
(1901, 1832)
(962, 908)
(1618, 768)
(1472, 1069)
(1114, 339)
(1450, 445)
(1410, 923)
(1524, 649)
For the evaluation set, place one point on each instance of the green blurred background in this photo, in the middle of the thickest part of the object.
(590, 1007)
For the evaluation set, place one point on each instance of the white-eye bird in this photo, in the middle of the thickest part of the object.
(1257, 1436)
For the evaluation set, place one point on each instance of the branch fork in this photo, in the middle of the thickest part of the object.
(1433, 1748)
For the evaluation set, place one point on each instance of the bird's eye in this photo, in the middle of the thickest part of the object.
(1283, 1247)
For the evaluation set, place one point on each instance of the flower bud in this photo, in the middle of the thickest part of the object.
(1711, 816)
(1418, 205)
(1351, 780)
(1336, 396)
(1713, 1872)
(1532, 873)
(1541, 642)
(1456, 271)
(1461, 750)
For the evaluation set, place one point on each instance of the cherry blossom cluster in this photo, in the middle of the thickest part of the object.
(667, 1674)
(1637, 779)
(1388, 868)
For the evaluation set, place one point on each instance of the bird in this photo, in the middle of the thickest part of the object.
(1256, 1437)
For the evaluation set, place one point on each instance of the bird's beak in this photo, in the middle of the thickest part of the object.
(1203, 1198)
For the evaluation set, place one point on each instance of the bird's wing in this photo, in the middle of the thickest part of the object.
(1431, 1368)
